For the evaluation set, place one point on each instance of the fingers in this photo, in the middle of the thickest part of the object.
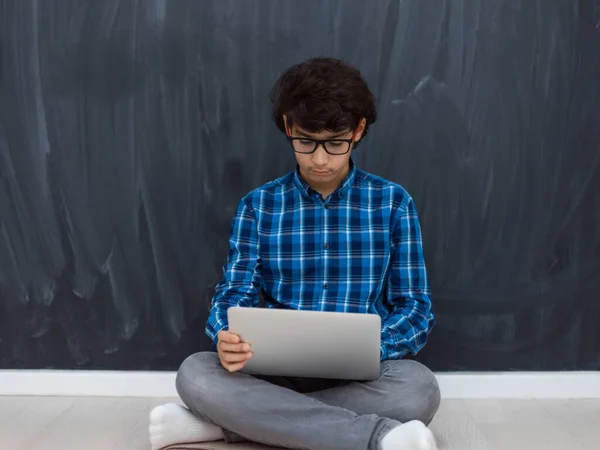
(233, 362)
(235, 357)
(229, 342)
(236, 348)
(234, 367)
(226, 336)
(233, 353)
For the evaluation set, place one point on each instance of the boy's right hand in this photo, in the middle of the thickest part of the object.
(233, 353)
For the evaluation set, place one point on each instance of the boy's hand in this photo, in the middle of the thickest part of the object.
(233, 353)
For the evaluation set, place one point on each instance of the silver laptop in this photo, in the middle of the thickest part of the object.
(310, 344)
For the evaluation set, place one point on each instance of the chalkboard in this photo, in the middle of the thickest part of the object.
(130, 130)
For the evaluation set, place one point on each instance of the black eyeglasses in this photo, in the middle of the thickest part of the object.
(332, 146)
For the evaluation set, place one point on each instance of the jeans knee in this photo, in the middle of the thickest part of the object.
(419, 398)
(427, 396)
(193, 377)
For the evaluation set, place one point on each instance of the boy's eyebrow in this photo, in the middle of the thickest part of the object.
(333, 136)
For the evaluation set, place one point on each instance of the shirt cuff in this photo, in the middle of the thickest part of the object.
(215, 332)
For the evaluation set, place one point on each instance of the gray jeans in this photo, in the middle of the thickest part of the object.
(304, 413)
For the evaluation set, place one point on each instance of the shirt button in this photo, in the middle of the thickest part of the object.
(327, 206)
(325, 286)
(326, 246)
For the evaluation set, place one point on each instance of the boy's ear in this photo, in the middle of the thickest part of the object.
(360, 129)
(288, 132)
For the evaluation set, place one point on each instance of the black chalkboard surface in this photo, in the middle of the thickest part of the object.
(130, 130)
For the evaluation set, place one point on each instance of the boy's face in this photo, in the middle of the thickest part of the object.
(321, 169)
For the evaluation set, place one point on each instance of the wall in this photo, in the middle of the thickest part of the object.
(130, 130)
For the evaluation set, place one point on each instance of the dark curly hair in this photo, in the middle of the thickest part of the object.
(322, 94)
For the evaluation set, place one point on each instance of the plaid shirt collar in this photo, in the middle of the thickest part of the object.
(305, 189)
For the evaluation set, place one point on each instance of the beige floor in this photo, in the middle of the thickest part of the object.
(47, 423)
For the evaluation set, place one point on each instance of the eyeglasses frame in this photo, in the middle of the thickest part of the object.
(320, 142)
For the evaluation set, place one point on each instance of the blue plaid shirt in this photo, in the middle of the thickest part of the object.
(357, 251)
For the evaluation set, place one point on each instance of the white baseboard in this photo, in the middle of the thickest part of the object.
(520, 385)
(464, 385)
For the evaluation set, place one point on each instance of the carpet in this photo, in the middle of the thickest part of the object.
(219, 445)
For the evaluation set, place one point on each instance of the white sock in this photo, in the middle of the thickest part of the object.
(412, 435)
(175, 424)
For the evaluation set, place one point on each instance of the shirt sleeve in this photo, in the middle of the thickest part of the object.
(242, 279)
(405, 329)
